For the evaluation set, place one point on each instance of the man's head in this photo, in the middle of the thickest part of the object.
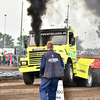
(49, 45)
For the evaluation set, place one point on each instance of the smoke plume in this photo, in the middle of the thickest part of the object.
(94, 6)
(96, 78)
(36, 10)
(45, 39)
(98, 31)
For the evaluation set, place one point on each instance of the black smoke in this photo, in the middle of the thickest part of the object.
(36, 10)
(94, 6)
(45, 39)
(98, 31)
(96, 78)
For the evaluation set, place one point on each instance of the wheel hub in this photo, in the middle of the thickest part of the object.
(71, 73)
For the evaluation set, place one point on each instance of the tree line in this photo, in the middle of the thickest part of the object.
(9, 41)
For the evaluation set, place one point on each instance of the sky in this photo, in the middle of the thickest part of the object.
(12, 8)
(83, 18)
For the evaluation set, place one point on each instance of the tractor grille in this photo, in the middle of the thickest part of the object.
(35, 57)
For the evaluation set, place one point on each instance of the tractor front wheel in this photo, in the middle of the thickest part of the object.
(68, 73)
(28, 78)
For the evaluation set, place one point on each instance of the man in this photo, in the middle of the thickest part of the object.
(8, 60)
(11, 59)
(50, 70)
(4, 59)
(0, 60)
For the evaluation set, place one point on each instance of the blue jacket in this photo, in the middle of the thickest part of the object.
(51, 65)
(8, 58)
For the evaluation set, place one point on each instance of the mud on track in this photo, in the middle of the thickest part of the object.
(17, 90)
(13, 88)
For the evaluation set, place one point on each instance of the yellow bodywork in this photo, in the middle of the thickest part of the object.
(80, 66)
(29, 69)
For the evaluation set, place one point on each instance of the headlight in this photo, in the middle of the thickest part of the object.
(24, 63)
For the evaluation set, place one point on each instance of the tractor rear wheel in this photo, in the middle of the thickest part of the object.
(86, 82)
(28, 78)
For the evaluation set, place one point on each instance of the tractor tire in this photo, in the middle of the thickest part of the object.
(28, 78)
(68, 73)
(86, 82)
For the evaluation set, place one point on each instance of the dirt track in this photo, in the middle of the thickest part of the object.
(7, 68)
(15, 89)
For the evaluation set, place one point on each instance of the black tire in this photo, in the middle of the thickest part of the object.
(68, 73)
(86, 82)
(28, 78)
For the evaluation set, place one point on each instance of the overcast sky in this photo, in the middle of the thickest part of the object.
(12, 8)
(82, 20)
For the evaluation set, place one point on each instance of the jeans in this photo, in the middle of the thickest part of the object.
(48, 86)
(0, 61)
(8, 62)
(3, 62)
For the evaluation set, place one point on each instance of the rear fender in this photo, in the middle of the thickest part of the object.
(82, 67)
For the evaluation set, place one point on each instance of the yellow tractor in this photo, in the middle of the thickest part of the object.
(63, 39)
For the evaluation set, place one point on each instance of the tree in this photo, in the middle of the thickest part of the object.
(9, 41)
(78, 43)
(1, 40)
(24, 39)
